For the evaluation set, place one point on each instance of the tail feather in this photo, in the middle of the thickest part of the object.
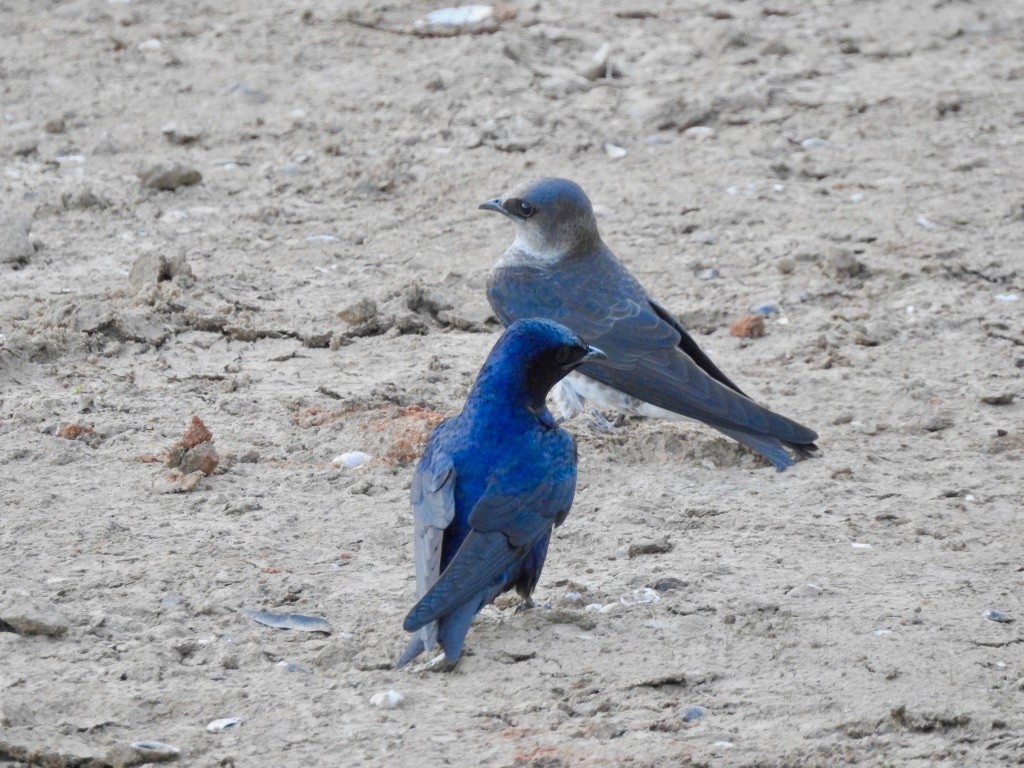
(480, 563)
(771, 448)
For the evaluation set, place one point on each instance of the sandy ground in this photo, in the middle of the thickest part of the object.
(857, 164)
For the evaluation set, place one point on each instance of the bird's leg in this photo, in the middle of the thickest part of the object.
(599, 422)
(525, 605)
(529, 603)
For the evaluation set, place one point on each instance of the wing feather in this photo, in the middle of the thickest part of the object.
(433, 502)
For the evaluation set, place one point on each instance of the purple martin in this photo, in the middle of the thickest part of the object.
(492, 484)
(559, 268)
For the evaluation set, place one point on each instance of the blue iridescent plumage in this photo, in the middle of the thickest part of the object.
(490, 487)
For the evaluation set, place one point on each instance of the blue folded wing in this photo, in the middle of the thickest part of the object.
(650, 355)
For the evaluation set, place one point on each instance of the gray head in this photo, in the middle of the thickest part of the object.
(553, 218)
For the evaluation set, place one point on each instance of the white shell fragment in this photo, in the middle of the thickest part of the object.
(999, 616)
(860, 545)
(694, 713)
(614, 151)
(644, 596)
(387, 699)
(462, 16)
(699, 132)
(296, 621)
(216, 726)
(814, 143)
(351, 460)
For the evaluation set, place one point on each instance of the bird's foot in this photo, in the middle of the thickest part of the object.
(439, 663)
(526, 605)
(529, 604)
(600, 423)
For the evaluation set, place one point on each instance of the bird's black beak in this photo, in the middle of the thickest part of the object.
(492, 205)
(593, 353)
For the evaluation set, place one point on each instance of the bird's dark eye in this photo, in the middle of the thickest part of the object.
(526, 209)
(563, 354)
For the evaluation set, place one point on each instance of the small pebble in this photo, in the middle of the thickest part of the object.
(182, 135)
(937, 423)
(1003, 398)
(35, 618)
(216, 726)
(351, 460)
(360, 312)
(26, 147)
(748, 326)
(657, 547)
(169, 176)
(251, 456)
(785, 265)
(710, 274)
(842, 263)
(859, 545)
(1006, 297)
(387, 699)
(999, 616)
(155, 751)
(176, 481)
(666, 584)
(15, 244)
(200, 458)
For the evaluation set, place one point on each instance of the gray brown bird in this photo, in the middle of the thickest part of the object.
(559, 268)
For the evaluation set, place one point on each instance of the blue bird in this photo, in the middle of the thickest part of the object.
(559, 268)
(490, 487)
